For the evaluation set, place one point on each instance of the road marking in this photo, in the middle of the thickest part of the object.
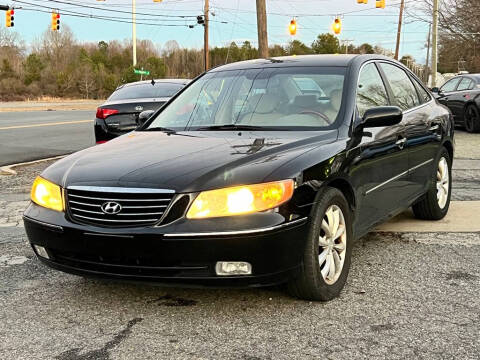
(45, 124)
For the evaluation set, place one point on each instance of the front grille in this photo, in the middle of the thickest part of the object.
(139, 207)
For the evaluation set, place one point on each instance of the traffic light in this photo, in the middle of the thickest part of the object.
(380, 4)
(9, 18)
(337, 26)
(362, 1)
(55, 21)
(292, 27)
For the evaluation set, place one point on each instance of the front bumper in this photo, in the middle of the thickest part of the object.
(275, 252)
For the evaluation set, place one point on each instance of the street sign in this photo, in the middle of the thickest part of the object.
(141, 72)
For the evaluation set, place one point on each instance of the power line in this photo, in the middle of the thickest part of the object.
(71, 13)
(111, 10)
(88, 16)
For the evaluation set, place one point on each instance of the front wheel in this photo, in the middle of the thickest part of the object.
(472, 119)
(327, 254)
(434, 205)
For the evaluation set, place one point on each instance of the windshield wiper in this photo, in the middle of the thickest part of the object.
(159, 128)
(231, 127)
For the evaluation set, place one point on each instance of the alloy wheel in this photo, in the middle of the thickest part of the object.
(471, 116)
(332, 244)
(443, 182)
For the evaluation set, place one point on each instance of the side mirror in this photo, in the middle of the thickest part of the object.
(436, 90)
(382, 116)
(144, 116)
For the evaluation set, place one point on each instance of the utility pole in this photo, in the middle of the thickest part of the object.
(399, 32)
(134, 34)
(427, 62)
(435, 43)
(205, 35)
(262, 29)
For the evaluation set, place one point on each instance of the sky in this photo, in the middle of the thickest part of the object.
(233, 20)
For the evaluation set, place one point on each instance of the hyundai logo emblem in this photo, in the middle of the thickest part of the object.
(111, 208)
(139, 108)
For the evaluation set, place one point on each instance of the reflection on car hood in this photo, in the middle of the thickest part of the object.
(199, 161)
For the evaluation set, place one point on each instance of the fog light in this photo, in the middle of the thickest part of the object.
(224, 268)
(41, 251)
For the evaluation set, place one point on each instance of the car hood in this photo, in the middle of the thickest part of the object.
(187, 162)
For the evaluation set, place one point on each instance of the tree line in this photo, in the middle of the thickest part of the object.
(57, 65)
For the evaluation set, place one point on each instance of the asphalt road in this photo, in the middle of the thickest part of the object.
(32, 135)
(409, 295)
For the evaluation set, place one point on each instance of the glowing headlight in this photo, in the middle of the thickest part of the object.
(47, 194)
(240, 199)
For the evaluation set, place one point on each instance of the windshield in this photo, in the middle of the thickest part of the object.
(276, 98)
(138, 91)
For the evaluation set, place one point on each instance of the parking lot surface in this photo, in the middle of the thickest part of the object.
(409, 295)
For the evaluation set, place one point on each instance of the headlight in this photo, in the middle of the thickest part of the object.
(47, 194)
(240, 200)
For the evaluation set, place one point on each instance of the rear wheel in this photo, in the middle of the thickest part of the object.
(434, 205)
(326, 259)
(472, 119)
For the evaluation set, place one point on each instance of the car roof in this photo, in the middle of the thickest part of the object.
(338, 60)
(473, 76)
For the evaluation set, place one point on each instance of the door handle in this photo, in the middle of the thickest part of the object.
(434, 128)
(401, 142)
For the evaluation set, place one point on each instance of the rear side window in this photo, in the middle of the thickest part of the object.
(465, 84)
(424, 95)
(450, 85)
(371, 91)
(139, 91)
(405, 94)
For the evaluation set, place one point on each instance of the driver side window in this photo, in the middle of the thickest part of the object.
(371, 90)
(450, 85)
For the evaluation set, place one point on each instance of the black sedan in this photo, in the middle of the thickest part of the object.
(247, 178)
(462, 96)
(121, 112)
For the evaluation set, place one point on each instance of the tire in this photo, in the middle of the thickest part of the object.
(311, 284)
(472, 119)
(430, 207)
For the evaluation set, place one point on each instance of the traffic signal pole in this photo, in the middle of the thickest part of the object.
(134, 33)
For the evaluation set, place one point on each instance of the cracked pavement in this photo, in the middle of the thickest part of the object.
(408, 295)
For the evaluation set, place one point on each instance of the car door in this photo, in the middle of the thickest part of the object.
(421, 130)
(381, 165)
(459, 98)
(447, 90)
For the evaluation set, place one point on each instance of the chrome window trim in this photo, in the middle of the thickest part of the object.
(418, 107)
(119, 189)
(238, 232)
(398, 176)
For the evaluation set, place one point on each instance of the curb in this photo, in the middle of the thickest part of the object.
(8, 169)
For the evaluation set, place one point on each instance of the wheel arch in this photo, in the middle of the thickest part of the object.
(449, 146)
(346, 188)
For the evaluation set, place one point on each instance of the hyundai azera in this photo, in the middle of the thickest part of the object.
(256, 173)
